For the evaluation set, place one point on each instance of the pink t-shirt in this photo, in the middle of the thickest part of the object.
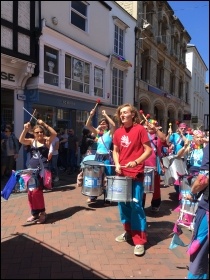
(130, 143)
(151, 161)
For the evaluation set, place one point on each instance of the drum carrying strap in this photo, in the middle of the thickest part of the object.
(158, 164)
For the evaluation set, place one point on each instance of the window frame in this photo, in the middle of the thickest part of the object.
(79, 14)
(117, 97)
(53, 55)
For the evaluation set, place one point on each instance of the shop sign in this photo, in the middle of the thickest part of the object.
(8, 77)
(194, 119)
(21, 97)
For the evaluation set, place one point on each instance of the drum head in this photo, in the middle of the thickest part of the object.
(93, 163)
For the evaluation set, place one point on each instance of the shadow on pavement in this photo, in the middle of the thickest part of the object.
(49, 263)
(61, 215)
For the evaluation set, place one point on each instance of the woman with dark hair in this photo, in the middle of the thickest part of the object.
(39, 149)
(104, 135)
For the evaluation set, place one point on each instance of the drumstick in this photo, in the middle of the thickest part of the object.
(29, 113)
(33, 115)
(142, 113)
(97, 102)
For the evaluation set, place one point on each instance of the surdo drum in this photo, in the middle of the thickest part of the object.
(93, 173)
(149, 179)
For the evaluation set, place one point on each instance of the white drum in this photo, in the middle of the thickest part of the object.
(119, 188)
(173, 167)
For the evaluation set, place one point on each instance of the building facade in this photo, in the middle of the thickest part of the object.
(199, 96)
(162, 86)
(19, 51)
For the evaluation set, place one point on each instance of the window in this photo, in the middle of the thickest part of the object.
(160, 75)
(172, 83)
(180, 93)
(117, 87)
(145, 66)
(187, 92)
(51, 66)
(79, 14)
(118, 41)
(77, 74)
(98, 82)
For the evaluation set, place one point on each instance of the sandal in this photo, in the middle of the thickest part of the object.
(42, 218)
(32, 218)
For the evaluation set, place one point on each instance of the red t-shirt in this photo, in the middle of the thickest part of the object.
(130, 143)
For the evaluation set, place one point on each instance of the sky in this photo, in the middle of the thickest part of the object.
(194, 16)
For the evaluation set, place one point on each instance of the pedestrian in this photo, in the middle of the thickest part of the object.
(104, 136)
(63, 153)
(131, 148)
(53, 158)
(73, 145)
(198, 249)
(158, 141)
(40, 145)
(86, 142)
(10, 151)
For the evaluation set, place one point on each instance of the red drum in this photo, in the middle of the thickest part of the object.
(149, 179)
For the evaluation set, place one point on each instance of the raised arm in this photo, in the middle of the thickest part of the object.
(111, 122)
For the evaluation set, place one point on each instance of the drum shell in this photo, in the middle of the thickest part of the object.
(93, 180)
(149, 179)
(185, 186)
(189, 207)
(119, 189)
(173, 166)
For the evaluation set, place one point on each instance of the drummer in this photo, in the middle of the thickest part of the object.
(193, 151)
(131, 148)
(104, 135)
(177, 139)
(158, 140)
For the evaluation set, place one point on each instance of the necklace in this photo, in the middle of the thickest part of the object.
(197, 147)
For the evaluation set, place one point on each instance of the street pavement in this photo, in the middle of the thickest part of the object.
(78, 239)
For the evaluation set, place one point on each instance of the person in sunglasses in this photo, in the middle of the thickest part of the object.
(39, 149)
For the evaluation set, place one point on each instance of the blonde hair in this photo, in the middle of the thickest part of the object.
(136, 118)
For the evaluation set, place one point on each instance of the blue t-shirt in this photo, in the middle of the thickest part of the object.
(178, 142)
(205, 167)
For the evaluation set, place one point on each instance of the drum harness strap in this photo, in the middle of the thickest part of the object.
(155, 150)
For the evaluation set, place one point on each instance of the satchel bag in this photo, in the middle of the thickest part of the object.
(47, 179)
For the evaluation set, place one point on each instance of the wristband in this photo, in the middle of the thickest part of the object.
(136, 162)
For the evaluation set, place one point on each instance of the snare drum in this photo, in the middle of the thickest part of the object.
(149, 179)
(186, 184)
(173, 166)
(93, 173)
(119, 188)
(187, 213)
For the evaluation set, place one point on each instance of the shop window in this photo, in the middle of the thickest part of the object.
(51, 66)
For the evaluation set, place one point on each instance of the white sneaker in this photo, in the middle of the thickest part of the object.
(139, 250)
(56, 179)
(123, 237)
